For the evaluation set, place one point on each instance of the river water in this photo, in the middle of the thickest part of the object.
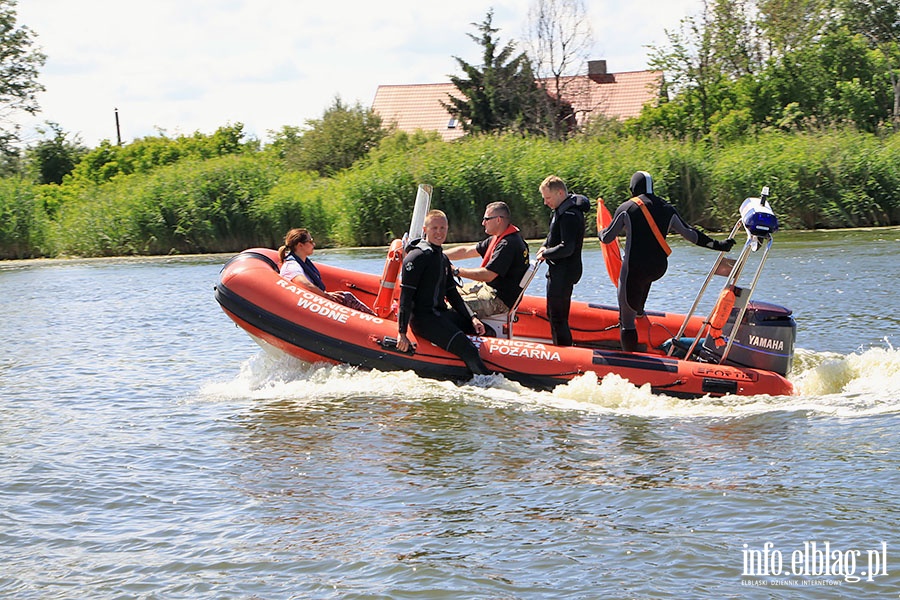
(150, 449)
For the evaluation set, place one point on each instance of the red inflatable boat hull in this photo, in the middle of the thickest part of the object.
(315, 329)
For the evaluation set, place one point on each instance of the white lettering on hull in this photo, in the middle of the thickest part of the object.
(324, 306)
(531, 350)
(323, 310)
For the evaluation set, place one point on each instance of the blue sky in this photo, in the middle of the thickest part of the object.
(180, 66)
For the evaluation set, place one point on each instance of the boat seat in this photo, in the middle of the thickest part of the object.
(504, 322)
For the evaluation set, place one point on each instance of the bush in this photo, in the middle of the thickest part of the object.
(298, 200)
(185, 208)
(825, 180)
(829, 179)
(147, 154)
(23, 221)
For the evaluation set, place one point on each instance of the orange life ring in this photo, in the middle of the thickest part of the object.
(388, 289)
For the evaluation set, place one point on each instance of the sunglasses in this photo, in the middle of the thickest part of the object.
(486, 219)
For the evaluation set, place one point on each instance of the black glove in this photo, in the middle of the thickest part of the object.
(725, 246)
(454, 271)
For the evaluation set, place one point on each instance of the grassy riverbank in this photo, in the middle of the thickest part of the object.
(250, 198)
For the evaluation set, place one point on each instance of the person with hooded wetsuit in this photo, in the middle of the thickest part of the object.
(645, 259)
(562, 251)
(426, 285)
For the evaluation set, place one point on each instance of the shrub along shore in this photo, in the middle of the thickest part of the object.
(833, 179)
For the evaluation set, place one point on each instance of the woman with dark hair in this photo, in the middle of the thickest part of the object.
(297, 268)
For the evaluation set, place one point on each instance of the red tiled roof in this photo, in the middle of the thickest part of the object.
(412, 107)
(620, 96)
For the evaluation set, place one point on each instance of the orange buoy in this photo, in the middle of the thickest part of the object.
(720, 313)
(388, 289)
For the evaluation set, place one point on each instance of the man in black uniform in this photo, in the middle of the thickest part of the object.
(504, 261)
(562, 251)
(426, 283)
(646, 253)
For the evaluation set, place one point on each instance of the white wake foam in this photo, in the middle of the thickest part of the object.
(842, 385)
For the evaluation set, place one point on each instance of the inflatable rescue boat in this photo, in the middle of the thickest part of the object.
(743, 347)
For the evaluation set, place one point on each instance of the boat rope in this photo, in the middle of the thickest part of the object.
(666, 386)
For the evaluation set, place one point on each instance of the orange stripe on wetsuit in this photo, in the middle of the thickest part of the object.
(653, 227)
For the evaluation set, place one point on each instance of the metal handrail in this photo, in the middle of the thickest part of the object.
(702, 291)
(523, 284)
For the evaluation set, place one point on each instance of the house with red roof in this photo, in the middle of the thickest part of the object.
(614, 95)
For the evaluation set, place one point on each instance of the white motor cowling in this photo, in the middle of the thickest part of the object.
(758, 217)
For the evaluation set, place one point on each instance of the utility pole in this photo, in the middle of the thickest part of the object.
(118, 131)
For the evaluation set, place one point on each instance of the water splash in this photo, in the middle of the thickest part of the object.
(866, 382)
(828, 383)
(267, 376)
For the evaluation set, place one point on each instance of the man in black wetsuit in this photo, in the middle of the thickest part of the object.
(562, 251)
(646, 253)
(504, 261)
(426, 283)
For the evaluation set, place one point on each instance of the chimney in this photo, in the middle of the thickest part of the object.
(597, 72)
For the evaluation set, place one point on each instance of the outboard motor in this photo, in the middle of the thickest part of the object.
(764, 340)
(757, 216)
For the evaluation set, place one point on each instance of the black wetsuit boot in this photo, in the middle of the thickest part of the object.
(629, 338)
(463, 348)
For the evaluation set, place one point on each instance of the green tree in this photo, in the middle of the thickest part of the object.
(145, 154)
(836, 80)
(54, 158)
(788, 25)
(879, 22)
(332, 143)
(502, 94)
(739, 67)
(559, 39)
(19, 66)
(282, 140)
(695, 80)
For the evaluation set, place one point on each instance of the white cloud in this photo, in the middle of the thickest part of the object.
(194, 65)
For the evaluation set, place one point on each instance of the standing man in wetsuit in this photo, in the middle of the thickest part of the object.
(562, 251)
(504, 261)
(646, 252)
(426, 284)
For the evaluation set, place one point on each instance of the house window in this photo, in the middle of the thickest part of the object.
(451, 124)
